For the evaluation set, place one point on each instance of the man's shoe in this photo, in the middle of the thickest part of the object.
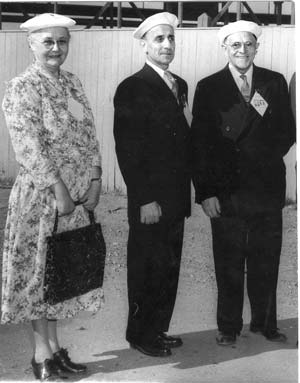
(64, 363)
(224, 339)
(170, 341)
(272, 336)
(155, 348)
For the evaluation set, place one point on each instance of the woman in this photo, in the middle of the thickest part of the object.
(52, 131)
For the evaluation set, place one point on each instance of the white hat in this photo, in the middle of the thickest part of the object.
(47, 20)
(154, 20)
(239, 26)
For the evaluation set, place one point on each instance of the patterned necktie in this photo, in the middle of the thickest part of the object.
(245, 88)
(172, 83)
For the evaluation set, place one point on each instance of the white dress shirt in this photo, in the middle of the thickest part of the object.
(236, 76)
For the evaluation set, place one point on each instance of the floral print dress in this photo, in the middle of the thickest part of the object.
(53, 135)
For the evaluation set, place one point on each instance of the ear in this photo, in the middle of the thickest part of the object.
(144, 46)
(256, 48)
(30, 43)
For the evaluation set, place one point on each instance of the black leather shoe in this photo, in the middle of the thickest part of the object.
(155, 348)
(224, 339)
(272, 336)
(170, 341)
(64, 363)
(46, 370)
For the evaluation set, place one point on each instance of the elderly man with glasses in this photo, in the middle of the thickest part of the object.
(242, 127)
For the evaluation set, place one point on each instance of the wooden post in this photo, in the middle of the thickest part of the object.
(278, 12)
(293, 10)
(119, 17)
(180, 13)
(55, 7)
(111, 15)
(204, 20)
(238, 10)
(0, 16)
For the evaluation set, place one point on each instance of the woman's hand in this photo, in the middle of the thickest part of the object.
(91, 197)
(64, 202)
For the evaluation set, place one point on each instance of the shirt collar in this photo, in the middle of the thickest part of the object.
(236, 74)
(156, 68)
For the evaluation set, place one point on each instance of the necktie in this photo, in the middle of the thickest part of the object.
(245, 88)
(172, 83)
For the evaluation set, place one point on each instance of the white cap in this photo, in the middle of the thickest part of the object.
(47, 20)
(165, 18)
(239, 26)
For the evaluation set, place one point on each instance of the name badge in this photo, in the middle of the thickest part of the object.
(259, 103)
(75, 108)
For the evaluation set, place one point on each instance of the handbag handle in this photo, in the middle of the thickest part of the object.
(76, 203)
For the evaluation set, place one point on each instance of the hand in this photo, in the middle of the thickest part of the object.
(211, 207)
(91, 197)
(64, 202)
(150, 213)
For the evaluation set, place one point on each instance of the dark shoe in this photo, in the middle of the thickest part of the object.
(224, 339)
(46, 371)
(156, 348)
(272, 336)
(64, 363)
(170, 341)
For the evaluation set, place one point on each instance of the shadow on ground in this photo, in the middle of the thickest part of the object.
(199, 350)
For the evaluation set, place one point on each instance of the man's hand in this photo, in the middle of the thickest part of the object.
(64, 202)
(150, 213)
(91, 197)
(211, 207)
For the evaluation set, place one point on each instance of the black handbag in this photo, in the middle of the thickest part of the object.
(75, 261)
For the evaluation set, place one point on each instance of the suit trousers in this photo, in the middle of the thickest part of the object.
(153, 264)
(254, 242)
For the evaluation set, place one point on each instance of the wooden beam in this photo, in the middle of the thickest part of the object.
(137, 10)
(0, 16)
(255, 18)
(99, 13)
(221, 13)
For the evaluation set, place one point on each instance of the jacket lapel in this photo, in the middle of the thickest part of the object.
(258, 85)
(156, 82)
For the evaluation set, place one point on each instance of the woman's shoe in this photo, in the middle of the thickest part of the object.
(64, 363)
(46, 370)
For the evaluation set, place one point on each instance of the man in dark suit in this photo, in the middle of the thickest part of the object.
(151, 135)
(242, 127)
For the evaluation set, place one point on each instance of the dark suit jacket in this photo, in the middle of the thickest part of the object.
(237, 153)
(152, 136)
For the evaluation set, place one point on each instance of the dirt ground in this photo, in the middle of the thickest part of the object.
(99, 340)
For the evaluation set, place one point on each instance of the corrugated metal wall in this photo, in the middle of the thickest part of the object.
(103, 58)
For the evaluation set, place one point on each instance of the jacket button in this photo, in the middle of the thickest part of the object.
(237, 150)
(228, 129)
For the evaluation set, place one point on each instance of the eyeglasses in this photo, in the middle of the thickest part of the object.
(237, 45)
(49, 43)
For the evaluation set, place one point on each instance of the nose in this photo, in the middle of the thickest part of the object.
(242, 48)
(55, 46)
(167, 43)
